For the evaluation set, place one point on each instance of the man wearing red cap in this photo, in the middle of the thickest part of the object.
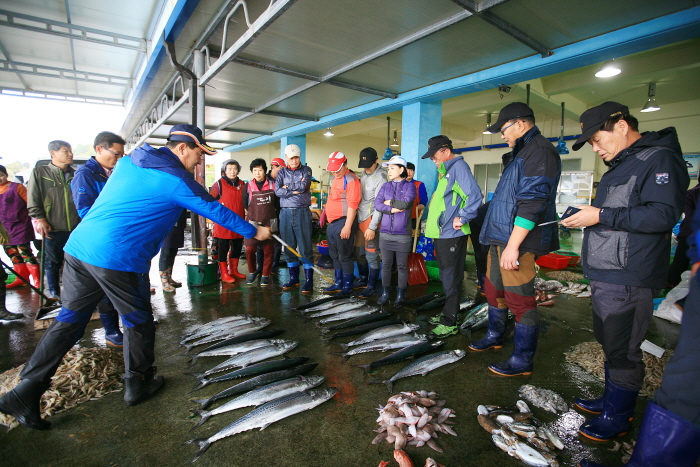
(341, 210)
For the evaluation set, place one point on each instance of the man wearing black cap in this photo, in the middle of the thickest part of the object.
(626, 249)
(525, 197)
(110, 253)
(454, 203)
(367, 235)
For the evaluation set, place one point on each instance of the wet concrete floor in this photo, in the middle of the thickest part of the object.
(105, 432)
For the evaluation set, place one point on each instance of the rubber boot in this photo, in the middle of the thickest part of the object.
(141, 387)
(398, 303)
(52, 283)
(172, 282)
(293, 277)
(5, 315)
(385, 296)
(348, 281)
(21, 269)
(495, 332)
(614, 420)
(338, 284)
(363, 272)
(225, 277)
(113, 336)
(233, 268)
(309, 284)
(665, 440)
(371, 283)
(594, 405)
(34, 274)
(23, 403)
(165, 280)
(520, 361)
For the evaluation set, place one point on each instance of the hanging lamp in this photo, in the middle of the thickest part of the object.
(608, 69)
(561, 144)
(651, 105)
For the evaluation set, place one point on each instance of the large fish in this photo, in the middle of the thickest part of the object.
(423, 299)
(252, 370)
(356, 313)
(194, 329)
(333, 304)
(235, 349)
(319, 302)
(256, 325)
(363, 328)
(423, 366)
(382, 333)
(264, 334)
(253, 356)
(256, 382)
(358, 321)
(403, 354)
(337, 309)
(263, 394)
(382, 345)
(474, 317)
(434, 303)
(215, 327)
(267, 414)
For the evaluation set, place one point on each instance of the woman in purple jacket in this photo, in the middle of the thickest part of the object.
(394, 202)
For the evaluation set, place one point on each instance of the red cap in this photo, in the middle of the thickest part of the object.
(335, 161)
(278, 161)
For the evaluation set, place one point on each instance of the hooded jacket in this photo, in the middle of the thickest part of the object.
(401, 193)
(371, 183)
(144, 198)
(526, 196)
(641, 198)
(88, 181)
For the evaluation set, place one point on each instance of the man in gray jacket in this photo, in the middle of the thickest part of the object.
(367, 236)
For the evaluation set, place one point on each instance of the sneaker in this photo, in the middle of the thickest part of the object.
(441, 331)
(435, 320)
(264, 280)
(251, 278)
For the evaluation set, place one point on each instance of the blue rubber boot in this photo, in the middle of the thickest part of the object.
(495, 332)
(363, 271)
(520, 362)
(348, 280)
(293, 277)
(113, 336)
(614, 420)
(338, 285)
(309, 284)
(52, 283)
(385, 296)
(371, 283)
(594, 406)
(400, 293)
(665, 440)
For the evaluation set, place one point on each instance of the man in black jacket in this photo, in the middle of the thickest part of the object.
(626, 249)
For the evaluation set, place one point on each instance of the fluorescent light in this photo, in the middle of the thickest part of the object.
(608, 69)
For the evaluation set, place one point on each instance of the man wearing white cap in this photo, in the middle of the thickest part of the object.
(293, 188)
(340, 211)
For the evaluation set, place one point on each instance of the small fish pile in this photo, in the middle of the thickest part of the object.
(590, 357)
(404, 461)
(520, 435)
(543, 298)
(84, 374)
(414, 418)
(551, 286)
(625, 448)
(543, 398)
(580, 290)
(565, 276)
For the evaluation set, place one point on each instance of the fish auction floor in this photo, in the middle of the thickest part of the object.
(105, 432)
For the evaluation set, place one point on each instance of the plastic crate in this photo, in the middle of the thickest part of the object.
(553, 261)
(573, 257)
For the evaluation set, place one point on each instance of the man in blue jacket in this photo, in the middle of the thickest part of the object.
(454, 203)
(626, 249)
(87, 183)
(110, 253)
(525, 197)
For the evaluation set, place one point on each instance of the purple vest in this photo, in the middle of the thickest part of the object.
(15, 217)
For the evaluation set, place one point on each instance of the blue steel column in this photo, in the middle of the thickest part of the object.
(420, 122)
(299, 141)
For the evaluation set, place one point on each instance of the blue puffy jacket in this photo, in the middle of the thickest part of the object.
(87, 183)
(295, 180)
(144, 198)
(526, 196)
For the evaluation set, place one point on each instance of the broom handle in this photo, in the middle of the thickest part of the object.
(419, 214)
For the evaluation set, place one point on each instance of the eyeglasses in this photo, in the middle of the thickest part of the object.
(432, 158)
(503, 130)
(114, 153)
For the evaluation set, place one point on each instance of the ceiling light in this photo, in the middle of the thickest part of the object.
(328, 132)
(608, 69)
(488, 124)
(395, 142)
(651, 105)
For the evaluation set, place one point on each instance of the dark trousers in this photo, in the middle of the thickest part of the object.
(679, 386)
(390, 250)
(167, 258)
(621, 316)
(451, 253)
(235, 245)
(84, 287)
(339, 249)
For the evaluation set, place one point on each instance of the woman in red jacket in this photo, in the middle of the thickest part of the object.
(229, 190)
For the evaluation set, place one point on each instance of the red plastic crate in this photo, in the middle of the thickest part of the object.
(553, 261)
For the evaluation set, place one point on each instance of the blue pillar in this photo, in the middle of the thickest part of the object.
(299, 141)
(420, 122)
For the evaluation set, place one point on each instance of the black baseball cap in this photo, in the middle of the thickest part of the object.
(435, 144)
(368, 156)
(192, 134)
(511, 112)
(594, 119)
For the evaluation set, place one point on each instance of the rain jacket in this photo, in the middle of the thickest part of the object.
(371, 183)
(49, 197)
(295, 180)
(526, 196)
(401, 193)
(141, 203)
(641, 199)
(457, 195)
(88, 181)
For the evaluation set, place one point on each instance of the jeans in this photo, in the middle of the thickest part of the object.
(295, 230)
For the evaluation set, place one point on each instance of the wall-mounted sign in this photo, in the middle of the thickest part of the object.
(692, 161)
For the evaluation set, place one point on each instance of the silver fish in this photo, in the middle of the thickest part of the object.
(390, 343)
(337, 309)
(364, 311)
(253, 356)
(198, 327)
(235, 349)
(268, 413)
(255, 325)
(424, 365)
(328, 305)
(264, 394)
(214, 327)
(382, 333)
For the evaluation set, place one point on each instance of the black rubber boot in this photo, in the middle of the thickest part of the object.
(141, 387)
(348, 280)
(4, 314)
(398, 303)
(23, 404)
(338, 284)
(52, 282)
(363, 272)
(385, 296)
(309, 284)
(371, 283)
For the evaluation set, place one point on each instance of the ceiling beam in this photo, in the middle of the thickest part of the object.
(239, 108)
(235, 130)
(6, 54)
(62, 73)
(59, 96)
